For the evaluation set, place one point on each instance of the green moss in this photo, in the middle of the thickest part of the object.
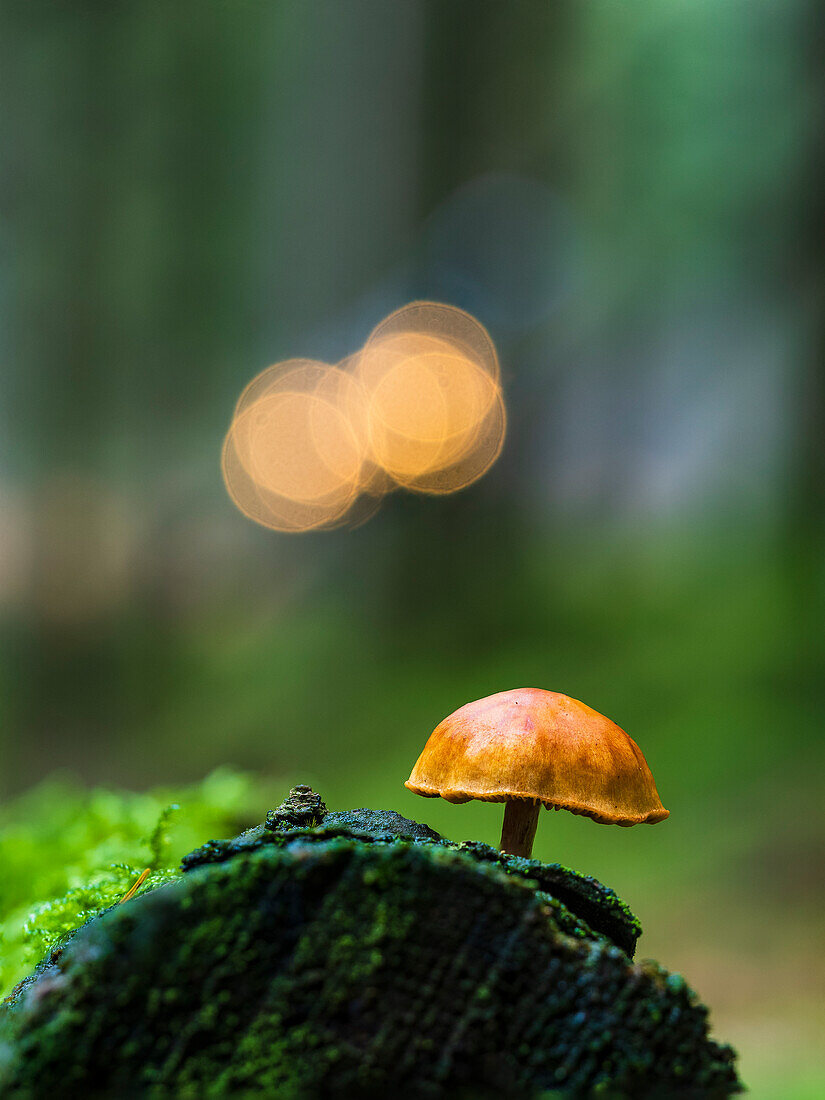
(573, 896)
(68, 854)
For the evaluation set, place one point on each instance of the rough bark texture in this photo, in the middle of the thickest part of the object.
(353, 957)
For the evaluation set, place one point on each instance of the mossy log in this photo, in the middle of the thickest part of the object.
(352, 954)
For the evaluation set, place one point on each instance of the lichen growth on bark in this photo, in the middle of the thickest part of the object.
(316, 961)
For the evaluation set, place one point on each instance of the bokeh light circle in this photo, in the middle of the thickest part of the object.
(315, 446)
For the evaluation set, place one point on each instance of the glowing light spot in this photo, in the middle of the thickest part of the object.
(315, 446)
(437, 320)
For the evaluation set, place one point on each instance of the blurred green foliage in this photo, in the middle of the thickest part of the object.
(68, 853)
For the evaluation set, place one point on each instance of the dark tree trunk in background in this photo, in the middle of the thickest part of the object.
(125, 215)
(480, 115)
(808, 493)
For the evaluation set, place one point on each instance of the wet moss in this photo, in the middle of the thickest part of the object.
(302, 810)
(321, 962)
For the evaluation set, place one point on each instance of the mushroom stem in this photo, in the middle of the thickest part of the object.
(520, 820)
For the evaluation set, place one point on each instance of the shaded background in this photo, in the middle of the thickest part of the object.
(630, 198)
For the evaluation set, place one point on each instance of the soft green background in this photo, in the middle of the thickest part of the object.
(629, 195)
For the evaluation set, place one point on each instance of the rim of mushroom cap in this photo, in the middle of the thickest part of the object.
(459, 797)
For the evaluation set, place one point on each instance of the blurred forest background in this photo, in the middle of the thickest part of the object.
(630, 197)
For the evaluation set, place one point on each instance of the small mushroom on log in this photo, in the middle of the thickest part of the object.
(529, 747)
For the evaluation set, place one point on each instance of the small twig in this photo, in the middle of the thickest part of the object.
(136, 885)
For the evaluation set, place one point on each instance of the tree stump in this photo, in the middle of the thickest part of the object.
(326, 954)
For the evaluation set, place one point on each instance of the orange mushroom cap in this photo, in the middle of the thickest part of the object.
(539, 745)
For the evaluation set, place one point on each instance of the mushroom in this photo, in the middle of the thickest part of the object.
(529, 746)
